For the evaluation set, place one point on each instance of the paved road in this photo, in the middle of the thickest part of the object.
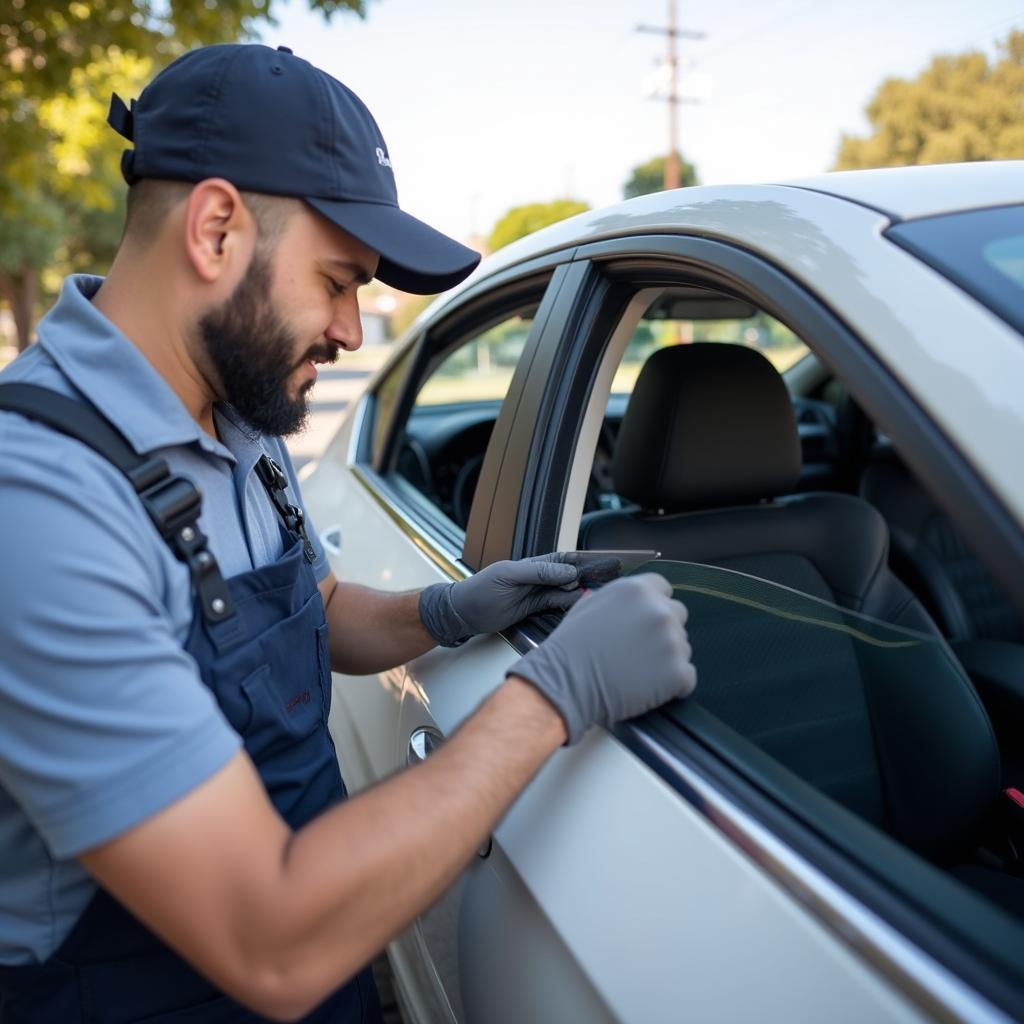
(334, 390)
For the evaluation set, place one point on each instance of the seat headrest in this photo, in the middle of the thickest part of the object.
(707, 425)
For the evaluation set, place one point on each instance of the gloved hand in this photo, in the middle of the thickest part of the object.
(620, 652)
(506, 592)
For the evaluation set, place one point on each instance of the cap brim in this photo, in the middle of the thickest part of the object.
(414, 257)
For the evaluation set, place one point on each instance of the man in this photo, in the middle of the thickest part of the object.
(176, 841)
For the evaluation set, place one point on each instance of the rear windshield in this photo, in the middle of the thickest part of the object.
(982, 250)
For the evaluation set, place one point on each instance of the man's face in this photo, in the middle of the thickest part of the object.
(293, 309)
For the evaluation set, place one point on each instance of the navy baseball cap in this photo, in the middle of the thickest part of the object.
(268, 121)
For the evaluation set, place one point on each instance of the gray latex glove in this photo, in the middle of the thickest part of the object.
(505, 593)
(621, 651)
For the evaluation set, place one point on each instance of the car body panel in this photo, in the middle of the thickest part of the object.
(606, 895)
(556, 843)
(571, 802)
(905, 193)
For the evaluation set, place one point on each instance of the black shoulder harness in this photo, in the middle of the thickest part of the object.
(172, 501)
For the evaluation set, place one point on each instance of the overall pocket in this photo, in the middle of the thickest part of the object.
(285, 698)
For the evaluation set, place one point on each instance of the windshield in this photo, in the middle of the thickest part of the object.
(982, 250)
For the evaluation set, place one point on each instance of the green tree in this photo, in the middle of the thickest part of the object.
(961, 107)
(650, 177)
(521, 221)
(47, 39)
(61, 194)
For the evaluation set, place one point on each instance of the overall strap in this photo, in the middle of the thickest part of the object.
(172, 501)
(273, 479)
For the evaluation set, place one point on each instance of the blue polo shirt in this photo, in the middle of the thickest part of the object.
(104, 720)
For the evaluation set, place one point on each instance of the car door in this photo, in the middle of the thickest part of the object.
(603, 883)
(639, 868)
(950, 964)
(603, 887)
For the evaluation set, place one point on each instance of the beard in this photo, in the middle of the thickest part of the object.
(249, 348)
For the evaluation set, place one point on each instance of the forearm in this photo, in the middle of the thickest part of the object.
(357, 875)
(278, 918)
(372, 630)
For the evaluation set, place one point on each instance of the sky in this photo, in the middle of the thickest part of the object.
(488, 104)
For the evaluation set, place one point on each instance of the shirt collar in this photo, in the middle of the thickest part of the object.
(115, 376)
(243, 442)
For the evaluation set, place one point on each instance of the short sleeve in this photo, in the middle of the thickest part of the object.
(104, 720)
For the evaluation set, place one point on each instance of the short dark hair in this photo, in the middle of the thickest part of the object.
(152, 199)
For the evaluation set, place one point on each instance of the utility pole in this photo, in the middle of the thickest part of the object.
(672, 33)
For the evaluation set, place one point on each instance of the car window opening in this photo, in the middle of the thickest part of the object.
(444, 439)
(839, 622)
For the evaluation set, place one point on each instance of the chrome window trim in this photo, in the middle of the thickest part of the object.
(448, 561)
(925, 983)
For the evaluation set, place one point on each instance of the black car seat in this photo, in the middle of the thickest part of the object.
(929, 553)
(708, 449)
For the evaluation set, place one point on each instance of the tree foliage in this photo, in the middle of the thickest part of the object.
(650, 177)
(521, 221)
(961, 107)
(61, 194)
(46, 40)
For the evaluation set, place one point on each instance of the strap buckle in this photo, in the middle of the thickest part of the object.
(275, 481)
(211, 589)
(174, 504)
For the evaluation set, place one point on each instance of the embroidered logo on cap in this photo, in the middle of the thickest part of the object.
(382, 158)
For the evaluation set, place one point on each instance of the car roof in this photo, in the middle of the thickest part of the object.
(903, 193)
(898, 193)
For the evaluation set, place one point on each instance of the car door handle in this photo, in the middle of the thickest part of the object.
(422, 743)
(331, 539)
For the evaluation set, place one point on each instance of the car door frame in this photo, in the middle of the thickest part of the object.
(371, 460)
(899, 940)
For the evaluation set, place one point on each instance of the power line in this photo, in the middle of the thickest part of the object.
(672, 33)
(765, 28)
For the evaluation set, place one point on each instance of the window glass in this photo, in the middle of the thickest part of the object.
(854, 707)
(479, 370)
(843, 719)
(1007, 256)
(454, 412)
(981, 250)
(387, 397)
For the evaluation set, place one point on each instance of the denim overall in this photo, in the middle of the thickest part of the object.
(260, 642)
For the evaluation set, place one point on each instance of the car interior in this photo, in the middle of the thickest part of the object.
(710, 455)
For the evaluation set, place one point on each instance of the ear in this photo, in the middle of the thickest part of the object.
(220, 233)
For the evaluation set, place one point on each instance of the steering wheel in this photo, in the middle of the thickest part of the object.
(464, 488)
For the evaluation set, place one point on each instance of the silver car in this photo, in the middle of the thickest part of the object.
(803, 404)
